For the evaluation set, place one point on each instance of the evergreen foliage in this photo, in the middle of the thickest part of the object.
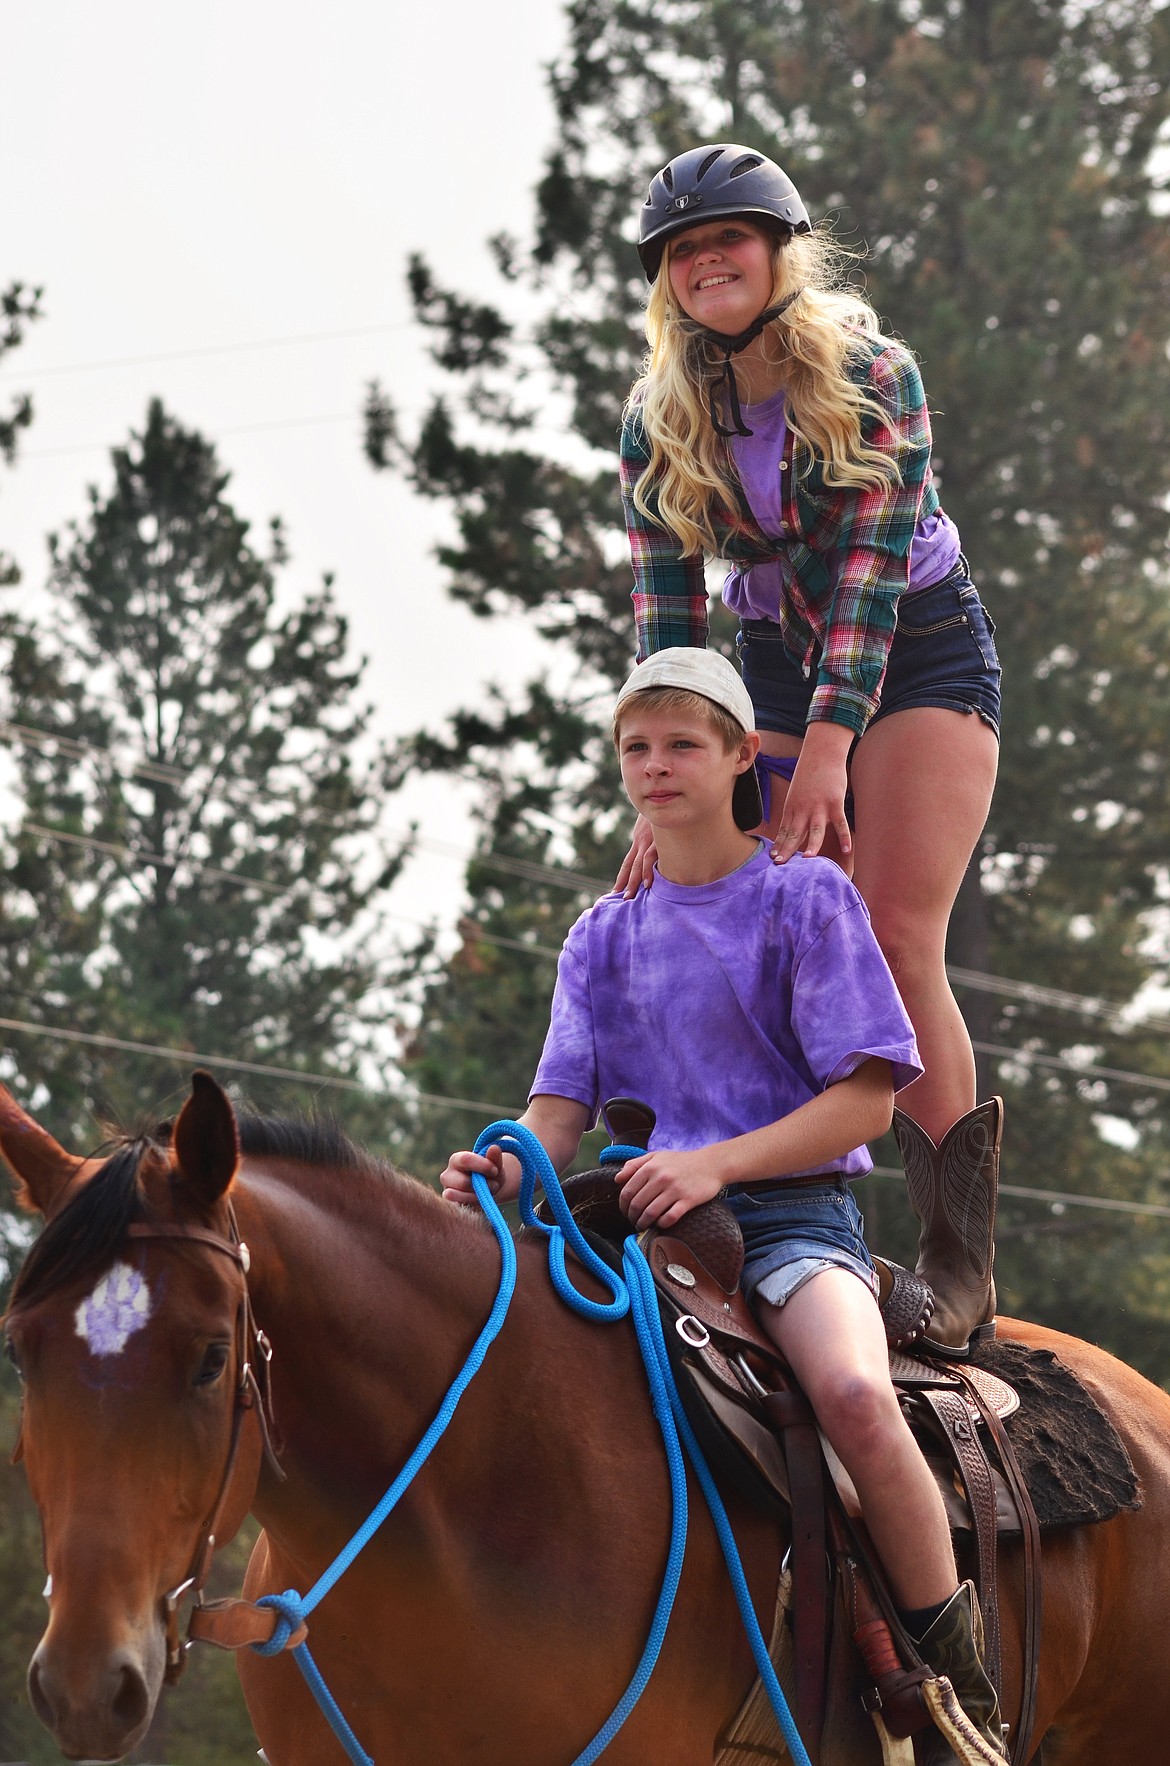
(999, 162)
(19, 305)
(195, 865)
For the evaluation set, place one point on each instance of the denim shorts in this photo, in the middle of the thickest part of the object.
(943, 654)
(793, 1231)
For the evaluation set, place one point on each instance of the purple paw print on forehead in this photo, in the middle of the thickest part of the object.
(118, 1306)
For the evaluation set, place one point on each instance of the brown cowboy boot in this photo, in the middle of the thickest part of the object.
(952, 1190)
(953, 1645)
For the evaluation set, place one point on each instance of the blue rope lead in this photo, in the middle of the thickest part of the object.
(291, 1607)
(636, 1294)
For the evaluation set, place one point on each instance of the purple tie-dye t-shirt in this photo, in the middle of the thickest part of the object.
(725, 1006)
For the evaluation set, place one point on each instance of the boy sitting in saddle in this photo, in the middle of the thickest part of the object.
(750, 1005)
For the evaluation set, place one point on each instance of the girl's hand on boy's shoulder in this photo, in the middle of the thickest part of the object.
(657, 1189)
(455, 1179)
(637, 867)
(814, 806)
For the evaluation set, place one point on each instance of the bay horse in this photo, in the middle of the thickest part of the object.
(496, 1617)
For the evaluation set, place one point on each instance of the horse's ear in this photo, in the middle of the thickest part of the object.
(205, 1142)
(41, 1167)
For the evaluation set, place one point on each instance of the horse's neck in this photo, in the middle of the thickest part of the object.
(371, 1293)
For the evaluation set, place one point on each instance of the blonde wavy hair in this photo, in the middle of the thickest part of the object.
(815, 340)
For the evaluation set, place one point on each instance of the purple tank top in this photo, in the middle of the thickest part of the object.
(754, 591)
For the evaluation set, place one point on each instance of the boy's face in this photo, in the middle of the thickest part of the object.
(675, 768)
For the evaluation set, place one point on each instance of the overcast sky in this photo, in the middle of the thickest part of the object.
(191, 179)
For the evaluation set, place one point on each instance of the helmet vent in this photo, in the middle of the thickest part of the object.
(711, 160)
(668, 177)
(748, 163)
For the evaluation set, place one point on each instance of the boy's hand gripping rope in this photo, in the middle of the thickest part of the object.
(636, 1295)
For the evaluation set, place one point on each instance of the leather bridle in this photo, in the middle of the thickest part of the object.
(253, 1396)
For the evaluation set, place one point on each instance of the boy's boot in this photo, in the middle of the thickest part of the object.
(953, 1645)
(953, 1189)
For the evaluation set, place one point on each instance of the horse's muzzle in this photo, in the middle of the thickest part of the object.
(98, 1710)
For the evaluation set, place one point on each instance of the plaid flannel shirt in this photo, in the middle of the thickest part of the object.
(844, 555)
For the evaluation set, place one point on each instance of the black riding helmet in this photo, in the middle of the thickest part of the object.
(707, 182)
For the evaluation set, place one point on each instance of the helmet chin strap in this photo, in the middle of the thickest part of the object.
(731, 346)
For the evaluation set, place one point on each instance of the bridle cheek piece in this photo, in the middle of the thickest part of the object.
(253, 1396)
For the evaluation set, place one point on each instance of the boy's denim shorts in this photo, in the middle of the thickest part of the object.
(793, 1231)
(943, 654)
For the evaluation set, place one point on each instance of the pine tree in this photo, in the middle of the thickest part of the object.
(997, 160)
(195, 865)
(19, 306)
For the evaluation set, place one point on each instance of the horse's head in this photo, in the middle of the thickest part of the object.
(130, 1328)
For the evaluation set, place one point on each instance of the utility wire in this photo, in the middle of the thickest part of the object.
(93, 1040)
(1058, 1198)
(226, 429)
(1054, 996)
(201, 350)
(1060, 1063)
(186, 1056)
(137, 855)
(577, 882)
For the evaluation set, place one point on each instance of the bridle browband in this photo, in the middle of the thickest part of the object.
(253, 1395)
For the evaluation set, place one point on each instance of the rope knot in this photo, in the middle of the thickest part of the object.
(291, 1619)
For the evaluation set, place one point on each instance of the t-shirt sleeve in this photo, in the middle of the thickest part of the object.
(568, 1061)
(846, 1007)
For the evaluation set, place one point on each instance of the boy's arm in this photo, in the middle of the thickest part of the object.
(557, 1123)
(659, 1188)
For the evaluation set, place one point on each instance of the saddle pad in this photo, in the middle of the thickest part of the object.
(1074, 1462)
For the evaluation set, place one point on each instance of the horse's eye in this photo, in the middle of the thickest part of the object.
(215, 1359)
(10, 1352)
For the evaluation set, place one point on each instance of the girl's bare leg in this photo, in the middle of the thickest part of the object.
(922, 784)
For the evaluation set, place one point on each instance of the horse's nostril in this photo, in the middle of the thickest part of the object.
(131, 1703)
(41, 1703)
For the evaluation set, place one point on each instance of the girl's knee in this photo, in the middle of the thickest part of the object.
(916, 957)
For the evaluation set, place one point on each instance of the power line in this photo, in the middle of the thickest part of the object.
(229, 429)
(1053, 996)
(202, 350)
(1058, 1198)
(137, 855)
(163, 772)
(577, 882)
(123, 1046)
(186, 1056)
(1061, 1063)
(473, 933)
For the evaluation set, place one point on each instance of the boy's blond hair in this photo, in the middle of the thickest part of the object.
(681, 699)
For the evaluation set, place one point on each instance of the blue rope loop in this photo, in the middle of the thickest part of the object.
(292, 1615)
(617, 1155)
(536, 1167)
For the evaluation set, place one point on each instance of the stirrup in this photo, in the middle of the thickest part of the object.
(983, 1333)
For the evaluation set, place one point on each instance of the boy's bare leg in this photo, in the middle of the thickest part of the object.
(831, 1334)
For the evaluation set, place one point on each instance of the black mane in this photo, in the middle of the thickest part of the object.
(91, 1229)
(314, 1140)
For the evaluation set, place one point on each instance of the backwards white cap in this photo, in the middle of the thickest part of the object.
(708, 673)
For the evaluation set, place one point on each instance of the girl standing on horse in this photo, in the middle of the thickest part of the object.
(775, 426)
